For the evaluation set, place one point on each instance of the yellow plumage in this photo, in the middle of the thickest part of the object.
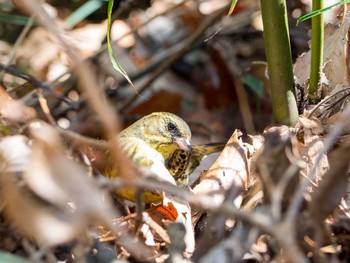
(161, 142)
(149, 142)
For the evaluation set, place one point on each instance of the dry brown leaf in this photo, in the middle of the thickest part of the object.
(185, 218)
(336, 66)
(88, 39)
(57, 178)
(276, 170)
(63, 201)
(38, 51)
(33, 217)
(302, 69)
(335, 70)
(310, 145)
(333, 186)
(229, 171)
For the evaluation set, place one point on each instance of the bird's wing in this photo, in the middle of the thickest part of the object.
(199, 152)
(145, 156)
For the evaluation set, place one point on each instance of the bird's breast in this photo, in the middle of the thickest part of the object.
(177, 165)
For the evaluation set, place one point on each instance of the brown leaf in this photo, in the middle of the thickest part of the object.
(310, 146)
(335, 67)
(333, 185)
(53, 181)
(32, 216)
(335, 62)
(276, 170)
(229, 171)
(184, 217)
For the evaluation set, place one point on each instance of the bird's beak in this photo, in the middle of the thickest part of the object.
(183, 143)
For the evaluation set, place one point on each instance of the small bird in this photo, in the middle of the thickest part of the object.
(151, 142)
(161, 141)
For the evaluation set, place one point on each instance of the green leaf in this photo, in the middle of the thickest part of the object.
(255, 84)
(320, 11)
(9, 258)
(232, 7)
(83, 11)
(112, 57)
(14, 19)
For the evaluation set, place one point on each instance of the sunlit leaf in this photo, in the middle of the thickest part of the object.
(230, 11)
(83, 11)
(232, 7)
(320, 11)
(111, 54)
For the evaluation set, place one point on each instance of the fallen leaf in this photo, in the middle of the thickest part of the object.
(335, 68)
(310, 145)
(333, 186)
(335, 60)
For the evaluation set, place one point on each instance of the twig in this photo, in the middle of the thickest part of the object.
(136, 28)
(45, 108)
(329, 142)
(18, 42)
(97, 101)
(35, 82)
(328, 98)
(154, 225)
(80, 139)
(133, 77)
(183, 47)
(200, 201)
(281, 187)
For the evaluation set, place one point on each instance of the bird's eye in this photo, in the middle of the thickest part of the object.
(171, 126)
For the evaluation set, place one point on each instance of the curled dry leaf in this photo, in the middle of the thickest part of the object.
(310, 146)
(185, 218)
(70, 182)
(230, 170)
(32, 216)
(335, 66)
(57, 178)
(333, 186)
(39, 50)
(53, 181)
(275, 165)
(330, 108)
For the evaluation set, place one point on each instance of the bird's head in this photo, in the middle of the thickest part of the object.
(166, 133)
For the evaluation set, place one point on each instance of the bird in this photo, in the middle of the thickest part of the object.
(151, 142)
(161, 141)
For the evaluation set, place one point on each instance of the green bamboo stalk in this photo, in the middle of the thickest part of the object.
(317, 28)
(279, 61)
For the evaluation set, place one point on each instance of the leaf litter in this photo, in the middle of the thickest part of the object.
(277, 196)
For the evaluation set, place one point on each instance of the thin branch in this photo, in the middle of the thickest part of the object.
(328, 144)
(30, 79)
(183, 47)
(18, 42)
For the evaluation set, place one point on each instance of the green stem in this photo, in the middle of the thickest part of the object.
(316, 46)
(279, 61)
